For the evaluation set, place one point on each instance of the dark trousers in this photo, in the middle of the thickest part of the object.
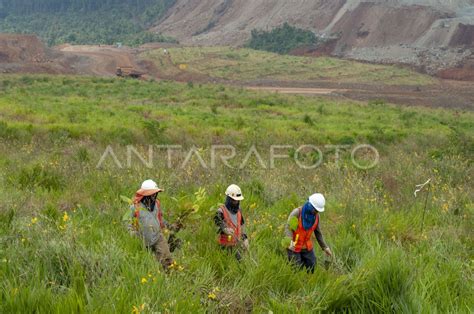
(302, 259)
(233, 250)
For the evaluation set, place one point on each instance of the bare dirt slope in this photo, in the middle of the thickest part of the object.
(431, 34)
(100, 60)
(27, 54)
(370, 25)
(22, 49)
(224, 22)
(229, 22)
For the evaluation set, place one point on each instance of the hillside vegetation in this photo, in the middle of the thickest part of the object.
(85, 22)
(63, 247)
(248, 65)
(282, 39)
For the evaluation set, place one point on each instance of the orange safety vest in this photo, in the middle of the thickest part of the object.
(230, 240)
(301, 236)
(159, 213)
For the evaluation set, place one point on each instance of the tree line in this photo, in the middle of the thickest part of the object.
(23, 7)
(84, 21)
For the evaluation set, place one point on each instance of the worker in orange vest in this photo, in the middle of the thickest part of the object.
(231, 223)
(300, 251)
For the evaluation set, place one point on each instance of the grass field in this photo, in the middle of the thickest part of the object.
(247, 65)
(64, 247)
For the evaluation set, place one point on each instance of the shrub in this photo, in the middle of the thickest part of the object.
(307, 119)
(282, 39)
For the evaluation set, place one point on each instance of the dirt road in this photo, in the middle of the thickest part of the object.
(298, 90)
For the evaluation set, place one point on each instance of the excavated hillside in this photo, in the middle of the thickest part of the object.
(27, 54)
(431, 34)
(26, 48)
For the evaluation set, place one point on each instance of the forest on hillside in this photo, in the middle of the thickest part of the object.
(84, 21)
(282, 39)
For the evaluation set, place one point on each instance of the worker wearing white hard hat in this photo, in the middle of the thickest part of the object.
(230, 221)
(145, 219)
(302, 223)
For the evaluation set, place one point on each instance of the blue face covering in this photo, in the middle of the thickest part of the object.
(308, 215)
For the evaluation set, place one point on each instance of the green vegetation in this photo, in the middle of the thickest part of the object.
(282, 39)
(63, 246)
(85, 22)
(249, 65)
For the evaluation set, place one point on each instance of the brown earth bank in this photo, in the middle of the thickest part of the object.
(26, 54)
(445, 94)
(463, 72)
(429, 34)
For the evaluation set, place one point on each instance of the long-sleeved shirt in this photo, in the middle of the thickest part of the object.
(317, 231)
(221, 224)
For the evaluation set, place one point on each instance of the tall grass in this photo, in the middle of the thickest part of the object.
(64, 248)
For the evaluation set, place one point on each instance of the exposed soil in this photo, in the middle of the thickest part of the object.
(445, 94)
(298, 90)
(101, 60)
(464, 36)
(463, 72)
(25, 54)
(371, 25)
(429, 34)
(229, 22)
(323, 49)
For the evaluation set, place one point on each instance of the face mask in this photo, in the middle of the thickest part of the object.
(149, 201)
(232, 205)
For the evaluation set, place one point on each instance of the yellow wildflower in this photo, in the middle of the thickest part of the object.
(34, 220)
(65, 217)
(212, 296)
(144, 280)
(139, 309)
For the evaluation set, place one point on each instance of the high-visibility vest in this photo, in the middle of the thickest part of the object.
(301, 236)
(230, 240)
(159, 213)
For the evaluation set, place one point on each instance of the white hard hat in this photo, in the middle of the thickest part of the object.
(318, 201)
(149, 187)
(234, 192)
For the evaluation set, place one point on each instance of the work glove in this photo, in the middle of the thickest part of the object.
(246, 244)
(328, 252)
(229, 231)
(292, 245)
